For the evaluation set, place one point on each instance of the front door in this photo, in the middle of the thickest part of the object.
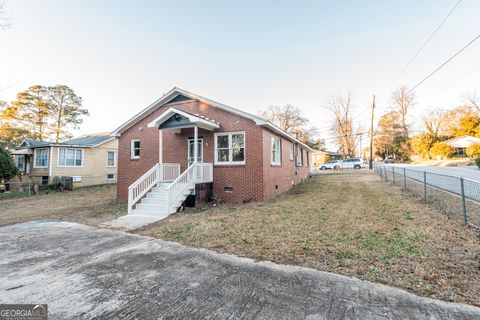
(191, 150)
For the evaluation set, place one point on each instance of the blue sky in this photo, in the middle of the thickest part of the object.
(119, 56)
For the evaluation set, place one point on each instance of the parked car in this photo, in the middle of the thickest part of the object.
(389, 160)
(352, 163)
(332, 164)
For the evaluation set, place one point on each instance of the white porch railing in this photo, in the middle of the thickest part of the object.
(196, 173)
(169, 171)
(159, 172)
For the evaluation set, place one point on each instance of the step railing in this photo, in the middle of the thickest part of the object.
(143, 184)
(195, 173)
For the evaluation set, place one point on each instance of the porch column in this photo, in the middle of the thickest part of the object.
(195, 151)
(160, 146)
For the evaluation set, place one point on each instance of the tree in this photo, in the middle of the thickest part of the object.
(32, 111)
(403, 100)
(291, 120)
(10, 135)
(473, 151)
(473, 101)
(389, 138)
(422, 143)
(345, 134)
(65, 109)
(8, 169)
(435, 123)
(441, 149)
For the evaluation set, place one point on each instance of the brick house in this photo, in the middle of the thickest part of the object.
(239, 158)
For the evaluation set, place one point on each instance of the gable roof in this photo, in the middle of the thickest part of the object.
(175, 92)
(463, 141)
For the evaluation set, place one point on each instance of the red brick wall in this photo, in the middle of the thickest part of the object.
(246, 180)
(279, 179)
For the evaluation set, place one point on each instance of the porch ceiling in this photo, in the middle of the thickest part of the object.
(176, 119)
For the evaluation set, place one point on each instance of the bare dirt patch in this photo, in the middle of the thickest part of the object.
(352, 224)
(88, 205)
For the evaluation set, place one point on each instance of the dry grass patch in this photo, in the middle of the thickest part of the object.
(350, 224)
(88, 205)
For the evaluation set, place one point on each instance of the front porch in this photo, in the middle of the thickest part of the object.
(163, 188)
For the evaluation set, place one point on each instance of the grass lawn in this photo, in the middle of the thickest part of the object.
(352, 224)
(88, 205)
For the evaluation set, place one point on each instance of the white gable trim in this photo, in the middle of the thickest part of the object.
(201, 122)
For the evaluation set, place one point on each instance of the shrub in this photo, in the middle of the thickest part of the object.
(441, 150)
(477, 162)
(473, 151)
(8, 168)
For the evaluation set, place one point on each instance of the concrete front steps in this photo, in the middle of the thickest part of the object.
(152, 208)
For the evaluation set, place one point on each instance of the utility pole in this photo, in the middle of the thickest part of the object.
(370, 164)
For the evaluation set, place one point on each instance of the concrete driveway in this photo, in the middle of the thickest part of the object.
(84, 273)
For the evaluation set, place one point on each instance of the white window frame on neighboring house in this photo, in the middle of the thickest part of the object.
(292, 152)
(62, 162)
(112, 179)
(276, 151)
(132, 149)
(298, 160)
(114, 159)
(230, 148)
(35, 158)
(23, 167)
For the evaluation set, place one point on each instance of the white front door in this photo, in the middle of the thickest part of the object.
(190, 150)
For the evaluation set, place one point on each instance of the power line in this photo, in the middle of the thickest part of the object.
(426, 42)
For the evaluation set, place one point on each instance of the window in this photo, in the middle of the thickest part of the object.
(70, 157)
(41, 158)
(230, 148)
(292, 151)
(135, 149)
(110, 176)
(110, 158)
(276, 156)
(21, 162)
(308, 160)
(298, 157)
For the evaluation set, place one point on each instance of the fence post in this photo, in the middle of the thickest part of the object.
(385, 172)
(29, 187)
(464, 207)
(404, 179)
(393, 175)
(425, 186)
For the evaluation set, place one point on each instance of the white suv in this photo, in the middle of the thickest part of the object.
(352, 163)
(332, 164)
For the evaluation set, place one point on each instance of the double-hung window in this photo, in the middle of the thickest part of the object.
(41, 158)
(276, 155)
(70, 157)
(135, 149)
(230, 148)
(298, 156)
(21, 162)
(110, 158)
(292, 151)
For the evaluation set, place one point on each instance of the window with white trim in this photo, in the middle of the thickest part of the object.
(298, 157)
(110, 176)
(292, 151)
(21, 162)
(230, 148)
(110, 158)
(276, 154)
(41, 158)
(70, 157)
(135, 149)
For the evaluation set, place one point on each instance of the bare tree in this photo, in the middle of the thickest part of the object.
(341, 108)
(403, 100)
(473, 101)
(291, 120)
(435, 123)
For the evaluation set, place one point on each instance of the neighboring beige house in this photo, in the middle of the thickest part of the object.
(90, 160)
(320, 157)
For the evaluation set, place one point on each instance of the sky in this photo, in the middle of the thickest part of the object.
(120, 56)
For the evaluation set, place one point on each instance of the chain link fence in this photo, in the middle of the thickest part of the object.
(458, 197)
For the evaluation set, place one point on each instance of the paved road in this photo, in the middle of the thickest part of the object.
(466, 172)
(84, 273)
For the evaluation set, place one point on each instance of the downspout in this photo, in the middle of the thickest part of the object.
(50, 163)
